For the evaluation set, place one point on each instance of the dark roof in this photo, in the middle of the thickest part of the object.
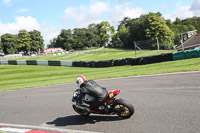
(194, 40)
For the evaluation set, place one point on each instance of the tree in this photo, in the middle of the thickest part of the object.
(125, 22)
(1, 47)
(65, 40)
(121, 38)
(79, 35)
(24, 41)
(9, 44)
(37, 41)
(93, 37)
(52, 43)
(157, 29)
(105, 30)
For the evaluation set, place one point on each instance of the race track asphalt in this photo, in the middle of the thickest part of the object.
(166, 103)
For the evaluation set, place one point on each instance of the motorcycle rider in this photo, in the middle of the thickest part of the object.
(91, 88)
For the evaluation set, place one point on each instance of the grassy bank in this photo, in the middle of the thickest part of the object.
(104, 54)
(17, 77)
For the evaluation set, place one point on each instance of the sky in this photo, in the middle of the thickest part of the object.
(50, 16)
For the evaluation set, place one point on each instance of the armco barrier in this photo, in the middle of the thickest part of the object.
(12, 62)
(54, 63)
(31, 62)
(36, 62)
(4, 62)
(21, 62)
(66, 63)
(42, 62)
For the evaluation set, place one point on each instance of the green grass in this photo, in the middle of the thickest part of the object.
(100, 55)
(18, 76)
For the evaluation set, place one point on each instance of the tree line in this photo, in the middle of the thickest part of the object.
(149, 26)
(96, 35)
(22, 42)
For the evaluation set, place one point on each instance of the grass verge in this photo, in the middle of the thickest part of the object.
(103, 54)
(17, 76)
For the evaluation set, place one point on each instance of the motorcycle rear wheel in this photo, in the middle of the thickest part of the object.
(80, 111)
(123, 108)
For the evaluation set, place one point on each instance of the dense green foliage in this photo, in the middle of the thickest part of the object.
(24, 41)
(37, 41)
(96, 35)
(1, 47)
(152, 27)
(9, 43)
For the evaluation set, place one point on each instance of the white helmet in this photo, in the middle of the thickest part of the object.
(80, 80)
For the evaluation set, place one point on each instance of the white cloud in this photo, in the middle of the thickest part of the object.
(49, 32)
(162, 7)
(6, 2)
(182, 12)
(84, 15)
(22, 10)
(121, 1)
(29, 23)
(119, 12)
(195, 7)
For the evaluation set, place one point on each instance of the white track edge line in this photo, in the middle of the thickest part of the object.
(44, 128)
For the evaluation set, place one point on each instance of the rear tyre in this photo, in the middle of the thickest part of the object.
(80, 111)
(123, 108)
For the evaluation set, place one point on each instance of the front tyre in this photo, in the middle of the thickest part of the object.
(123, 108)
(80, 111)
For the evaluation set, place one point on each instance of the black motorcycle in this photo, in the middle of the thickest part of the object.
(111, 106)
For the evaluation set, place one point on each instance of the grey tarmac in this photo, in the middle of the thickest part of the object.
(163, 103)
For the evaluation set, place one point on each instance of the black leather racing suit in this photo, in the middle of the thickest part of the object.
(91, 88)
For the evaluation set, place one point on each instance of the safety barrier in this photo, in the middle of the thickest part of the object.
(106, 63)
(187, 54)
(152, 59)
(36, 62)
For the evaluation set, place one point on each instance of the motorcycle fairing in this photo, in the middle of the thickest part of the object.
(112, 94)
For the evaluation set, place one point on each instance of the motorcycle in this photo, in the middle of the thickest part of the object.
(111, 106)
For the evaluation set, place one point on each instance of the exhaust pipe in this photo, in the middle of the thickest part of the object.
(83, 106)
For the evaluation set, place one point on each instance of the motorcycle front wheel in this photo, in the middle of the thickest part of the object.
(80, 111)
(123, 108)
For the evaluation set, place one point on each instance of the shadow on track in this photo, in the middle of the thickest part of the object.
(81, 120)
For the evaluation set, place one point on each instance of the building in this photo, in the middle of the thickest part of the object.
(189, 40)
(52, 50)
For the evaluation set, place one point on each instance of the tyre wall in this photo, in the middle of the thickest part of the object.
(187, 54)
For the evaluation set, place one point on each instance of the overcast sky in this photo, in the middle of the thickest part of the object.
(50, 16)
